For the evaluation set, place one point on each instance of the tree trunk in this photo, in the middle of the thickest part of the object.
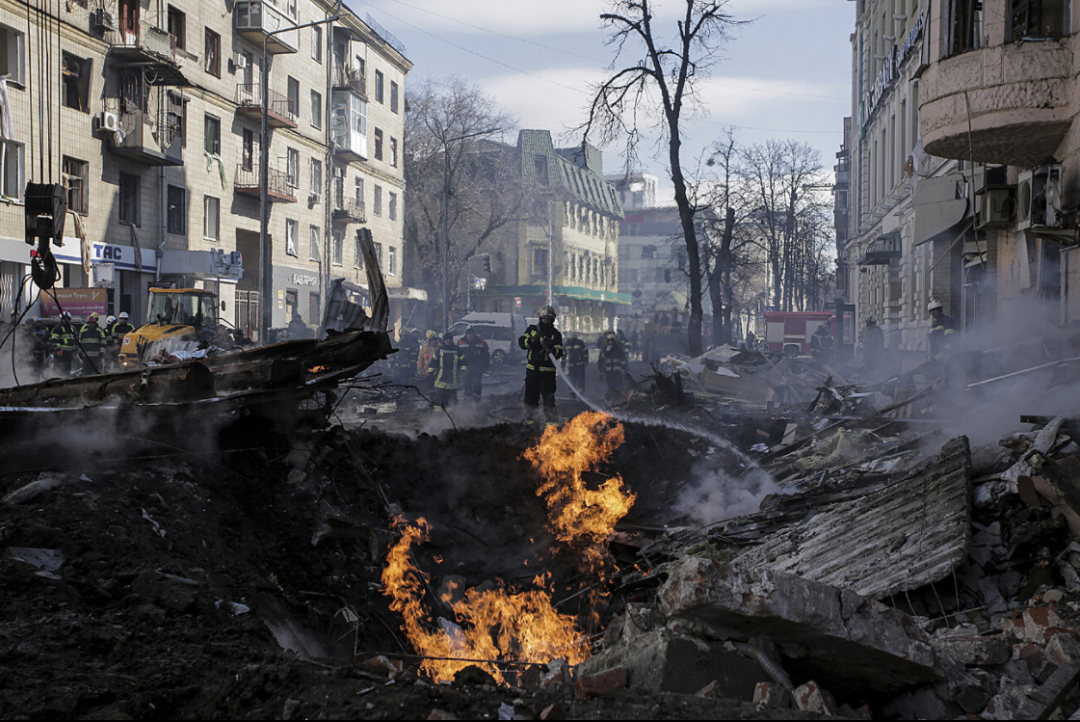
(693, 257)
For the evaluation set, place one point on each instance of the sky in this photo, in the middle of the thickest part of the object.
(786, 73)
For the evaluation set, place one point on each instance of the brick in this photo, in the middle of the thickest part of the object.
(553, 711)
(597, 685)
(810, 697)
(770, 694)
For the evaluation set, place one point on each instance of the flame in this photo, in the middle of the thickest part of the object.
(494, 624)
(578, 515)
(317, 369)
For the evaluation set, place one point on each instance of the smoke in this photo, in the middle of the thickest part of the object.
(714, 495)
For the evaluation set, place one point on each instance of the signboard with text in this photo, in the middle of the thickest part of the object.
(76, 301)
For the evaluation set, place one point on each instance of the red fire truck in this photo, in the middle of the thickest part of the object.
(790, 331)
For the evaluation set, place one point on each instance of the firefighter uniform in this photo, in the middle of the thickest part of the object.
(407, 356)
(477, 359)
(447, 368)
(543, 344)
(92, 341)
(612, 363)
(575, 361)
(425, 357)
(63, 338)
(942, 332)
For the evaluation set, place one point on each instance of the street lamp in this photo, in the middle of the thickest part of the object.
(266, 306)
(446, 220)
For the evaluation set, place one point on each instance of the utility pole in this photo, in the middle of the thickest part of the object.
(266, 292)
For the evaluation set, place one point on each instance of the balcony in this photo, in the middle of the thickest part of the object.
(139, 138)
(1017, 96)
(281, 112)
(349, 146)
(151, 49)
(883, 251)
(256, 19)
(279, 190)
(350, 211)
(346, 78)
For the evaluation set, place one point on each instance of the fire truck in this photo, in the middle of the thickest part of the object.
(790, 331)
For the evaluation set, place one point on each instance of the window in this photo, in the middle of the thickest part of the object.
(316, 109)
(540, 167)
(540, 260)
(75, 172)
(292, 230)
(379, 86)
(177, 116)
(316, 177)
(378, 144)
(129, 199)
(316, 43)
(177, 27)
(1038, 19)
(378, 254)
(11, 174)
(313, 244)
(393, 97)
(377, 205)
(212, 61)
(247, 152)
(212, 135)
(393, 152)
(75, 74)
(211, 217)
(358, 254)
(294, 96)
(391, 261)
(177, 210)
(339, 248)
(313, 307)
(392, 210)
(359, 190)
(292, 168)
(12, 54)
(648, 251)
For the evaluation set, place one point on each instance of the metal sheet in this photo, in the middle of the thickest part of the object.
(938, 206)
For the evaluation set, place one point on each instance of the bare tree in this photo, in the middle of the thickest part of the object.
(462, 188)
(670, 70)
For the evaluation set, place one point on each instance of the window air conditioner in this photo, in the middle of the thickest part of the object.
(996, 206)
(1038, 199)
(102, 19)
(239, 61)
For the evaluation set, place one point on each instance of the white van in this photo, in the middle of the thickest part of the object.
(499, 330)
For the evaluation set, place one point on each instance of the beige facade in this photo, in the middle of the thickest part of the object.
(151, 117)
(1001, 88)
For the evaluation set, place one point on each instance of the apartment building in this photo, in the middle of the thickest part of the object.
(570, 236)
(1000, 88)
(150, 114)
(909, 236)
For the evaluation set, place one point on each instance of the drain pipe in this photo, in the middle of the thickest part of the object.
(164, 221)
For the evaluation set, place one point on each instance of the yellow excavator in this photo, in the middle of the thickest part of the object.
(179, 318)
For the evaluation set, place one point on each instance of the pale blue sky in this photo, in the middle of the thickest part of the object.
(787, 74)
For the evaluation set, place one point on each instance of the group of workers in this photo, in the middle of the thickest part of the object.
(442, 366)
(96, 344)
(939, 342)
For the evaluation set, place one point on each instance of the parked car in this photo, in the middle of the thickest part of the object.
(499, 330)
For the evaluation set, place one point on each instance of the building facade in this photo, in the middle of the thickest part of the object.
(569, 240)
(909, 237)
(151, 118)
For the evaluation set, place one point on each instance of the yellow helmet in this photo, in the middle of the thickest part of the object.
(431, 335)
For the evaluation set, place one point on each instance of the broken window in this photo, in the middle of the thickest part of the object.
(358, 254)
(129, 198)
(211, 217)
(1038, 19)
(964, 21)
(377, 205)
(11, 169)
(316, 109)
(393, 152)
(292, 230)
(177, 113)
(339, 248)
(313, 243)
(379, 86)
(316, 43)
(177, 210)
(392, 206)
(212, 135)
(391, 261)
(12, 54)
(378, 144)
(316, 177)
(212, 61)
(292, 168)
(247, 154)
(178, 27)
(75, 76)
(75, 180)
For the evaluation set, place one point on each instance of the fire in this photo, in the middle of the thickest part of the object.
(317, 369)
(578, 515)
(495, 624)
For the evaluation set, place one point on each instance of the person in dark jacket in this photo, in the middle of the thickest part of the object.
(92, 342)
(543, 343)
(575, 361)
(447, 367)
(612, 363)
(942, 332)
(477, 359)
(63, 339)
(405, 361)
(872, 344)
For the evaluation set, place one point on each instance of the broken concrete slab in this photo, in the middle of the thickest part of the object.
(910, 534)
(660, 661)
(846, 641)
(970, 648)
(599, 684)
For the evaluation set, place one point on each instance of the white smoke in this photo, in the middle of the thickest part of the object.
(714, 495)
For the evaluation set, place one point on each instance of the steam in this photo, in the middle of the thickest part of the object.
(714, 495)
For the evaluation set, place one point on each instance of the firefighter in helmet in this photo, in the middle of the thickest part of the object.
(942, 332)
(543, 343)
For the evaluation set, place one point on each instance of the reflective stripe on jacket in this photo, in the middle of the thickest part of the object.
(92, 340)
(539, 358)
(448, 365)
(64, 337)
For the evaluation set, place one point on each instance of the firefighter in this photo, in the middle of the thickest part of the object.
(108, 359)
(121, 329)
(475, 351)
(39, 347)
(942, 329)
(575, 361)
(543, 344)
(425, 357)
(821, 344)
(612, 363)
(872, 344)
(407, 356)
(92, 342)
(63, 338)
(447, 368)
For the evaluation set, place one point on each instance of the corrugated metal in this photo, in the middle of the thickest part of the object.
(913, 533)
(9, 288)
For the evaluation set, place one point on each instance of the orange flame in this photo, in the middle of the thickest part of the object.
(492, 625)
(577, 514)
